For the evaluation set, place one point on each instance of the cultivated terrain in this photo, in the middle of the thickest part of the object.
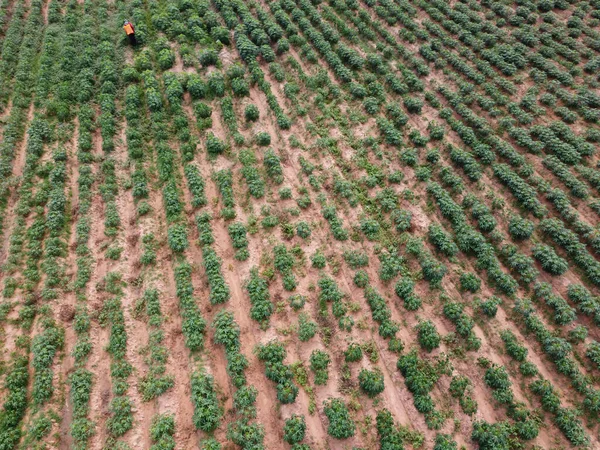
(300, 224)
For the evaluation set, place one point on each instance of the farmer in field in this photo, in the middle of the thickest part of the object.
(128, 27)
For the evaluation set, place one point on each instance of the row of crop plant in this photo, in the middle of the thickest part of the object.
(81, 379)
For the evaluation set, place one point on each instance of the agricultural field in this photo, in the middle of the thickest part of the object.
(300, 224)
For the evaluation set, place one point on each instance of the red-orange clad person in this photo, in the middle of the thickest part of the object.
(128, 27)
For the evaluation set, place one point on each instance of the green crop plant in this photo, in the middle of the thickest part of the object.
(162, 431)
(361, 279)
(244, 400)
(513, 348)
(428, 336)
(251, 113)
(260, 299)
(237, 233)
(353, 353)
(273, 354)
(470, 282)
(563, 312)
(549, 260)
(284, 262)
(214, 146)
(272, 165)
(306, 328)
(196, 185)
(441, 240)
(387, 431)
(207, 411)
(318, 260)
(404, 289)
(219, 291)
(341, 425)
(294, 429)
(371, 381)
(319, 362)
(381, 313)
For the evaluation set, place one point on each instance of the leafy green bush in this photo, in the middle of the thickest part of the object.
(297, 301)
(244, 400)
(209, 444)
(584, 300)
(284, 263)
(285, 193)
(303, 230)
(294, 429)
(413, 105)
(216, 84)
(441, 240)
(381, 313)
(566, 419)
(593, 352)
(207, 411)
(353, 353)
(492, 436)
(263, 138)
(208, 57)
(177, 238)
(251, 113)
(219, 291)
(444, 442)
(166, 59)
(563, 312)
(420, 377)
(214, 146)
(361, 279)
(578, 334)
(528, 369)
(237, 233)
(356, 258)
(260, 299)
(490, 306)
(470, 282)
(272, 165)
(550, 261)
(306, 328)
(341, 425)
(464, 324)
(202, 110)
(371, 381)
(337, 229)
(273, 354)
(247, 435)
(497, 379)
(318, 260)
(196, 185)
(162, 431)
(391, 264)
(197, 88)
(428, 335)
(390, 437)
(370, 228)
(404, 289)
(513, 348)
(522, 191)
(319, 362)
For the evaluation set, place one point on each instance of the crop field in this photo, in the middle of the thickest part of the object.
(300, 224)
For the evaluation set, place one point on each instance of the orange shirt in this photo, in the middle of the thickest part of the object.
(128, 29)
